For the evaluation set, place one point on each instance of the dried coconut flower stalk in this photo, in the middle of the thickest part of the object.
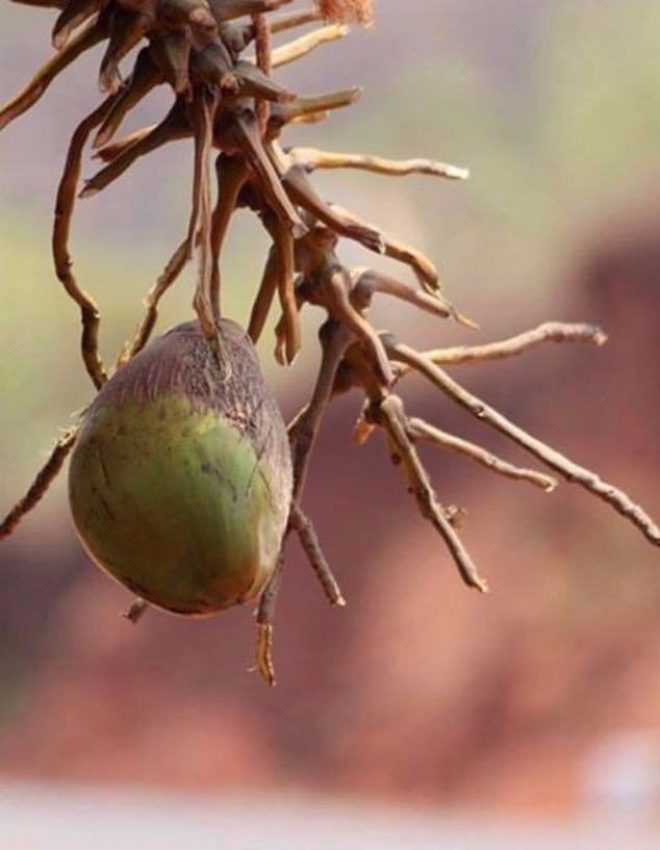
(228, 104)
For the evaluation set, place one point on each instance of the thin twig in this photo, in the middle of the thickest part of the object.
(172, 270)
(312, 548)
(334, 341)
(547, 332)
(265, 617)
(146, 75)
(64, 206)
(284, 249)
(423, 268)
(312, 158)
(569, 470)
(231, 175)
(389, 414)
(418, 429)
(263, 301)
(172, 128)
(41, 483)
(264, 61)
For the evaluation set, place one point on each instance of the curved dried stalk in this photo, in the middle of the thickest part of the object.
(547, 332)
(200, 222)
(172, 270)
(41, 483)
(173, 127)
(264, 62)
(334, 341)
(421, 265)
(126, 31)
(145, 77)
(113, 150)
(388, 413)
(313, 158)
(64, 206)
(231, 174)
(312, 548)
(284, 251)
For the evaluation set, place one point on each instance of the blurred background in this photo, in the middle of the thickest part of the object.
(422, 713)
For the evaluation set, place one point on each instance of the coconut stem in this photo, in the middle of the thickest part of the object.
(41, 483)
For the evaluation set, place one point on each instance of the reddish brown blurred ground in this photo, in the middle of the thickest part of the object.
(419, 688)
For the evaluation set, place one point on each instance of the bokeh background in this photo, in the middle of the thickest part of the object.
(539, 702)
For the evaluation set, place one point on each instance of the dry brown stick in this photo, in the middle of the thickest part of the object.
(90, 34)
(302, 107)
(418, 429)
(126, 31)
(311, 117)
(303, 193)
(335, 338)
(343, 310)
(334, 341)
(41, 483)
(284, 249)
(64, 206)
(424, 270)
(264, 62)
(305, 44)
(312, 158)
(265, 617)
(172, 270)
(312, 548)
(547, 332)
(245, 130)
(199, 228)
(389, 414)
(117, 148)
(231, 176)
(263, 301)
(368, 282)
(569, 470)
(172, 128)
(146, 75)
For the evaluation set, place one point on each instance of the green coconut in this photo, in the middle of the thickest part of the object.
(180, 481)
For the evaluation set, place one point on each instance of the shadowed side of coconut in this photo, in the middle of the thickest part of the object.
(180, 482)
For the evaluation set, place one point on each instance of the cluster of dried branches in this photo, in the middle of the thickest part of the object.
(229, 103)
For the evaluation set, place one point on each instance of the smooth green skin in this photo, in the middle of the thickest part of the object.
(175, 505)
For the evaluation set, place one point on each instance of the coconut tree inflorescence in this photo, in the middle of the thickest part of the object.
(218, 57)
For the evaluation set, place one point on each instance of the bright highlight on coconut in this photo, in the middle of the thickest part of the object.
(184, 481)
